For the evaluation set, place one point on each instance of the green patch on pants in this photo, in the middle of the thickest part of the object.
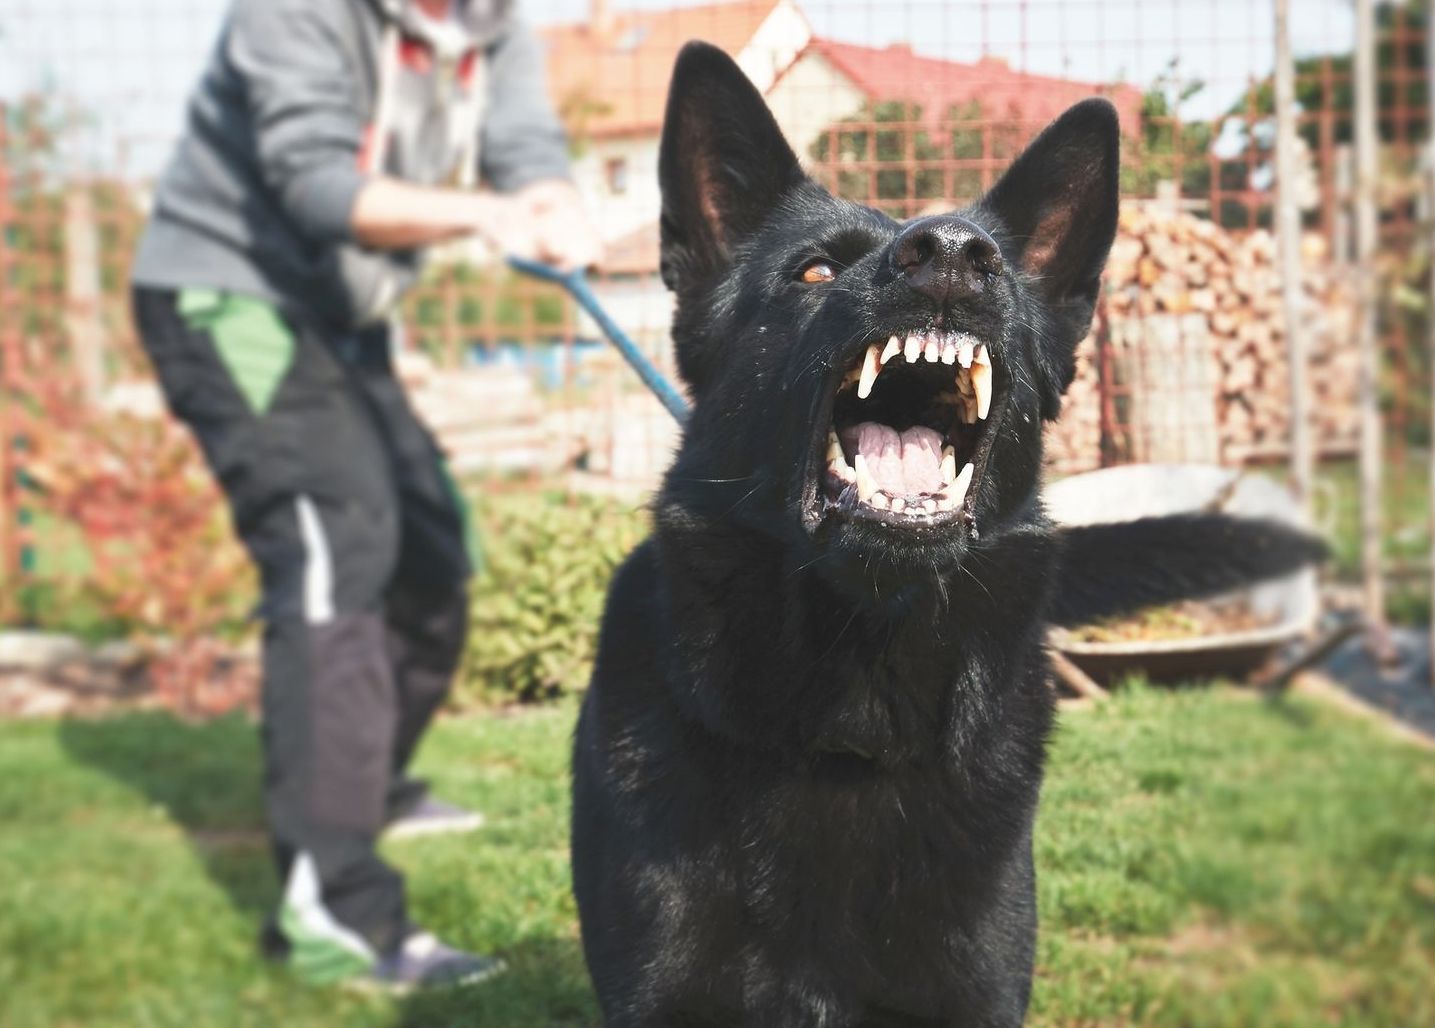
(253, 341)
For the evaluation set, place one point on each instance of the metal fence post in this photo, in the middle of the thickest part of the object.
(1288, 228)
(1366, 229)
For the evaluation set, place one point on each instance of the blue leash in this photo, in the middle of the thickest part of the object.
(576, 282)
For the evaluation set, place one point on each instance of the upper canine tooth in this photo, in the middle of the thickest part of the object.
(866, 484)
(934, 348)
(964, 353)
(834, 448)
(982, 386)
(894, 347)
(871, 363)
(913, 349)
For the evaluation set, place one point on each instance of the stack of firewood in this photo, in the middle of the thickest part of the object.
(1192, 332)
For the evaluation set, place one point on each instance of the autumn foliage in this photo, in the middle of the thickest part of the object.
(157, 554)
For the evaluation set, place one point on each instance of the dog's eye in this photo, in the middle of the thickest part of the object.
(817, 271)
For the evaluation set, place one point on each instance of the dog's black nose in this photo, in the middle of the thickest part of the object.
(946, 258)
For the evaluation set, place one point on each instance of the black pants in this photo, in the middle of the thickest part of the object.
(342, 498)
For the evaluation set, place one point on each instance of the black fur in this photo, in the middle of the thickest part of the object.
(1112, 569)
(806, 772)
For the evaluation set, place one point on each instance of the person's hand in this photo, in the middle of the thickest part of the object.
(558, 225)
(504, 223)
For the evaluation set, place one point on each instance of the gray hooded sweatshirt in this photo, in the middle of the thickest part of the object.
(302, 102)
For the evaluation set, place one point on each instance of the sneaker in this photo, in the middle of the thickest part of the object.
(422, 962)
(432, 817)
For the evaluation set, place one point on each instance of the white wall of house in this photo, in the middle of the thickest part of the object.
(810, 96)
(779, 39)
(617, 212)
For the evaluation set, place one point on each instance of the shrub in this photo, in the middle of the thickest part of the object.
(157, 560)
(533, 623)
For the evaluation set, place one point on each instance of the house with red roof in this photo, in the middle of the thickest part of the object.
(608, 76)
(849, 75)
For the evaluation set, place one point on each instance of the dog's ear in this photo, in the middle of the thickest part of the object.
(1058, 206)
(723, 166)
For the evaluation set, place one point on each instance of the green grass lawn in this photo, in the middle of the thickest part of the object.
(1205, 859)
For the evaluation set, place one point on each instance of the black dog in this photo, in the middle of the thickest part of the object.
(807, 769)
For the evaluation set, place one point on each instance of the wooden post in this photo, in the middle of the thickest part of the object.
(83, 322)
(1288, 234)
(10, 541)
(1430, 306)
(1368, 343)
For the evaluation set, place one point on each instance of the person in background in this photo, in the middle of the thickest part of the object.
(327, 144)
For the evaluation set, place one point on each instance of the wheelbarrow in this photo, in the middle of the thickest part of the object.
(1284, 611)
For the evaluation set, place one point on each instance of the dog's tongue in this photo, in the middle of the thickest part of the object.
(902, 463)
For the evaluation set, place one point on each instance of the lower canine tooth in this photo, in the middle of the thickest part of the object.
(949, 464)
(963, 483)
(866, 484)
(870, 366)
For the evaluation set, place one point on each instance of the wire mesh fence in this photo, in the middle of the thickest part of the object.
(911, 106)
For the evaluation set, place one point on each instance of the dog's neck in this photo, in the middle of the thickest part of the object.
(767, 650)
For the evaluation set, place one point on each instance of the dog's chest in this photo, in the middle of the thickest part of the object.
(862, 871)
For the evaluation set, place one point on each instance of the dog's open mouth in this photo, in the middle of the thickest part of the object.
(906, 426)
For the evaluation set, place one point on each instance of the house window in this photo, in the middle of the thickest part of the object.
(615, 170)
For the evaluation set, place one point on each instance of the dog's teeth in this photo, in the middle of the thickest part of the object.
(949, 351)
(866, 484)
(879, 501)
(982, 382)
(933, 351)
(894, 347)
(913, 349)
(962, 484)
(837, 460)
(929, 506)
(949, 464)
(898, 505)
(964, 353)
(870, 366)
